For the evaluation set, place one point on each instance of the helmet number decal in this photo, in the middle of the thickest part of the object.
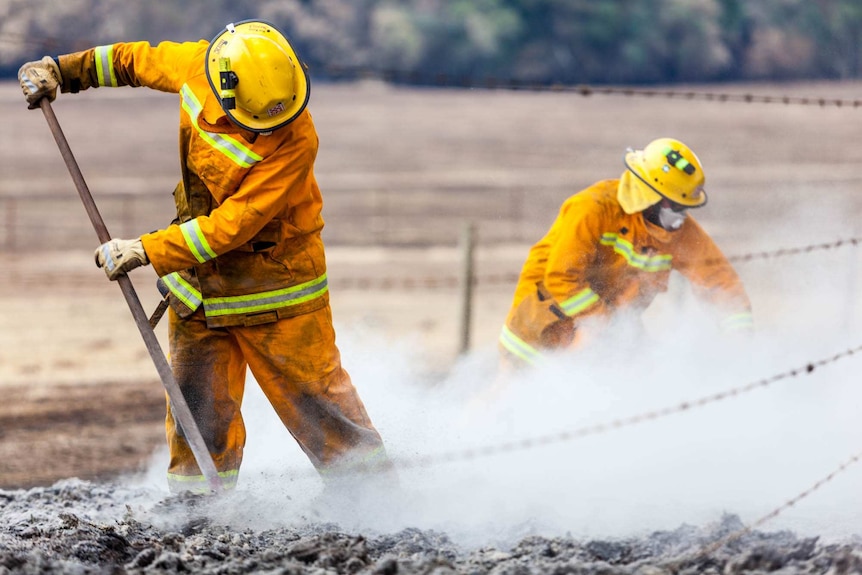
(276, 110)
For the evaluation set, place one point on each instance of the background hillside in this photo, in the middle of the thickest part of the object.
(541, 41)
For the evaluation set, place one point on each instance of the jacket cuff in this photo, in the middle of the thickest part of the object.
(75, 71)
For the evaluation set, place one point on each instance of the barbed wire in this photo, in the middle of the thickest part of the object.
(854, 242)
(684, 406)
(451, 282)
(529, 443)
(47, 42)
(445, 80)
(708, 550)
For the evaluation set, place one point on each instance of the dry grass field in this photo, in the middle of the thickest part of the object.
(402, 170)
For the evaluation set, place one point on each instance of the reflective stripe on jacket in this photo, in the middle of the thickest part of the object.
(246, 240)
(596, 259)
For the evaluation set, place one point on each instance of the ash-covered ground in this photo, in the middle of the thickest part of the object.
(82, 527)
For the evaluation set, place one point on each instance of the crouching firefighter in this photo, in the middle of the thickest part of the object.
(612, 248)
(243, 260)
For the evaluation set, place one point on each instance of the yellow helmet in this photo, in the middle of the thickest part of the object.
(257, 76)
(671, 169)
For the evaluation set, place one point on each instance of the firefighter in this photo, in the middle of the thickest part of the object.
(243, 260)
(612, 248)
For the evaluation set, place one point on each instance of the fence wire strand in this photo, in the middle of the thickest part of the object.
(619, 423)
(452, 282)
(684, 406)
(443, 80)
(708, 550)
(447, 80)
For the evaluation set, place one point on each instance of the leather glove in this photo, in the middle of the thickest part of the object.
(120, 256)
(40, 79)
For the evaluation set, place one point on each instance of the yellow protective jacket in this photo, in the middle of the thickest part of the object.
(597, 259)
(246, 241)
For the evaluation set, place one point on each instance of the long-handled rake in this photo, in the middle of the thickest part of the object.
(179, 406)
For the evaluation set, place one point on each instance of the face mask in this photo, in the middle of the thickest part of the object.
(669, 219)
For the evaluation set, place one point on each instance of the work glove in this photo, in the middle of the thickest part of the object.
(40, 79)
(120, 256)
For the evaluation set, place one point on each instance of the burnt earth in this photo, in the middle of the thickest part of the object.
(83, 527)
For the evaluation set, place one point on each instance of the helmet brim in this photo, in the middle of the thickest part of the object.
(258, 122)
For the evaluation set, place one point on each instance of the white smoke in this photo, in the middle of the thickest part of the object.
(745, 455)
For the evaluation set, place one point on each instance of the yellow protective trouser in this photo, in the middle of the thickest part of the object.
(297, 365)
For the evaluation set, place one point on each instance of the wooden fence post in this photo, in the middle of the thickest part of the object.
(467, 245)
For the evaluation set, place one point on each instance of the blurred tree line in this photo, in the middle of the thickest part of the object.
(544, 41)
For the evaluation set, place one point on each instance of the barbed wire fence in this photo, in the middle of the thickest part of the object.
(442, 80)
(684, 406)
(452, 281)
(471, 454)
(709, 549)
(624, 422)
(11, 223)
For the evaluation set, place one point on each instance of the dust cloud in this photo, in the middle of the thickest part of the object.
(792, 422)
(646, 496)
(744, 455)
